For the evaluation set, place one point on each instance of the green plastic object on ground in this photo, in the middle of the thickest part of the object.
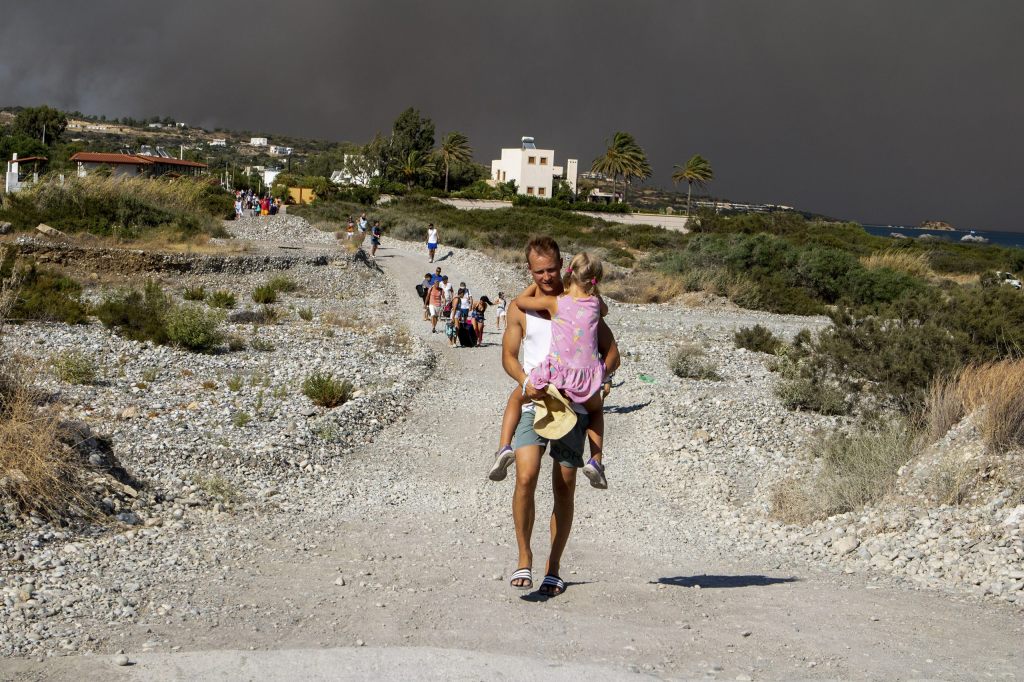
(646, 379)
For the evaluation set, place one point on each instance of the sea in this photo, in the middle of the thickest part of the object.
(1010, 239)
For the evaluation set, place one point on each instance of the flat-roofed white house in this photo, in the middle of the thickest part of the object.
(532, 169)
(258, 141)
(219, 142)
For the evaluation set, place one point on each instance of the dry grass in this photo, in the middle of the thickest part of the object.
(37, 472)
(915, 264)
(176, 194)
(351, 245)
(343, 321)
(166, 241)
(642, 287)
(944, 408)
(855, 470)
(996, 391)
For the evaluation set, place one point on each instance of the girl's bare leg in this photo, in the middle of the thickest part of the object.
(595, 431)
(510, 420)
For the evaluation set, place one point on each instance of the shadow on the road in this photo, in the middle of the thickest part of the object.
(444, 257)
(716, 581)
(626, 409)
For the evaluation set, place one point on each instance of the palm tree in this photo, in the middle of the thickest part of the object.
(454, 148)
(622, 157)
(415, 166)
(697, 170)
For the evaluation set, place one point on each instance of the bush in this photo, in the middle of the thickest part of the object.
(235, 343)
(74, 367)
(805, 393)
(194, 294)
(137, 315)
(855, 470)
(42, 294)
(688, 362)
(194, 328)
(324, 390)
(758, 339)
(221, 299)
(306, 314)
(282, 284)
(262, 345)
(120, 206)
(264, 294)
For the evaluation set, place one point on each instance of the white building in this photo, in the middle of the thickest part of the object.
(258, 141)
(356, 170)
(278, 150)
(532, 169)
(219, 142)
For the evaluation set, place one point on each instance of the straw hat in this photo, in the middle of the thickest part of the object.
(553, 417)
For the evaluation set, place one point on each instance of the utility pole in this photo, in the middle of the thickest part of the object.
(44, 133)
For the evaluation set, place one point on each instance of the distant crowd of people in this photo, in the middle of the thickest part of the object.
(462, 315)
(247, 201)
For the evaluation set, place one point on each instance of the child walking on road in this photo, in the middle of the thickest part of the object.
(573, 364)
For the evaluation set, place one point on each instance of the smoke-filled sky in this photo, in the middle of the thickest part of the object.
(876, 110)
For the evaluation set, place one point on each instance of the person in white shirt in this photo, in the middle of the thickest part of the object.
(449, 290)
(432, 238)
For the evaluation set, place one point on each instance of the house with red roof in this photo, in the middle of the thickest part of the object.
(132, 165)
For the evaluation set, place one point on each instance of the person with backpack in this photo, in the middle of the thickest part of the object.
(421, 290)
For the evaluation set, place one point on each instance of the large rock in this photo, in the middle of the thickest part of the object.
(5, 228)
(845, 545)
(49, 231)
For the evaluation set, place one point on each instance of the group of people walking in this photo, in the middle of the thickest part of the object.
(359, 229)
(255, 204)
(462, 315)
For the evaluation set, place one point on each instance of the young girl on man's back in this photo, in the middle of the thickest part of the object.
(573, 364)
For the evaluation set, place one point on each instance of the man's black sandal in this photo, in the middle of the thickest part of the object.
(555, 585)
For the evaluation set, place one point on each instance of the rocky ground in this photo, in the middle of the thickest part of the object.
(372, 525)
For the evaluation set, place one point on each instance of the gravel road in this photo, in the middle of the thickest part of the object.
(401, 548)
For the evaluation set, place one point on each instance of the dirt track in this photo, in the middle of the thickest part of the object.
(424, 544)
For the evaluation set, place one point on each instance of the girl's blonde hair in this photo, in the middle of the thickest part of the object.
(586, 271)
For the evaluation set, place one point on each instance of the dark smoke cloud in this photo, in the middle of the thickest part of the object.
(873, 110)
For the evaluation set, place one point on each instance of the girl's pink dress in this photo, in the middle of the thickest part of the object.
(573, 364)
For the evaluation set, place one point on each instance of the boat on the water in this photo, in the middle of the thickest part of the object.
(974, 238)
(898, 235)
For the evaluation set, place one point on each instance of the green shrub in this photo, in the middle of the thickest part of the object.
(42, 294)
(73, 367)
(282, 284)
(137, 315)
(306, 314)
(240, 419)
(759, 339)
(221, 299)
(235, 343)
(264, 294)
(800, 392)
(324, 390)
(194, 294)
(262, 345)
(235, 383)
(688, 362)
(194, 328)
(120, 207)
